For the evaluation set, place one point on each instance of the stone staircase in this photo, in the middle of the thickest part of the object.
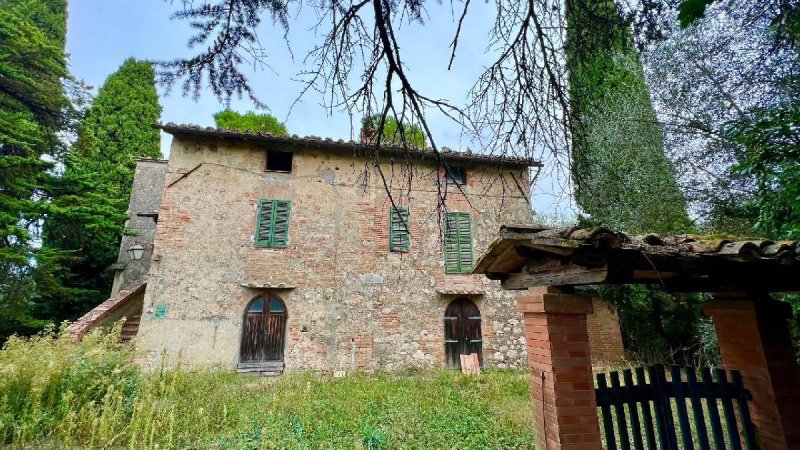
(117, 306)
(130, 328)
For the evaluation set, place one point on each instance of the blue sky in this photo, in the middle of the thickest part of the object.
(101, 34)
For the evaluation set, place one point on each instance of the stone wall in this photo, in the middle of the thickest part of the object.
(605, 337)
(145, 199)
(343, 289)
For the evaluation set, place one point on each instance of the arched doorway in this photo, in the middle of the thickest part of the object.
(462, 332)
(263, 330)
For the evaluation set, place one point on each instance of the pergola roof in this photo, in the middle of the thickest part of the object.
(533, 255)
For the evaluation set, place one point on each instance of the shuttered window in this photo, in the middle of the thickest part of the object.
(272, 225)
(458, 242)
(398, 230)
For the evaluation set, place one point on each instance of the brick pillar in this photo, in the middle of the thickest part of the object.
(754, 338)
(562, 388)
(605, 336)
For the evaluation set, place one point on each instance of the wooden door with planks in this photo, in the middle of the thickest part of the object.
(462, 332)
(263, 330)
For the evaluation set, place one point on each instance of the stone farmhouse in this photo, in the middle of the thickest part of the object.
(263, 253)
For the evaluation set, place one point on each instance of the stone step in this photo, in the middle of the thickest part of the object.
(130, 328)
(266, 368)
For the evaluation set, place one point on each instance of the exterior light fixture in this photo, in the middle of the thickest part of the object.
(135, 251)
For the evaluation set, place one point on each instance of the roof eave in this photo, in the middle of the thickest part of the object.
(339, 145)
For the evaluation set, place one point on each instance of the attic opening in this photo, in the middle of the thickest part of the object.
(457, 175)
(278, 161)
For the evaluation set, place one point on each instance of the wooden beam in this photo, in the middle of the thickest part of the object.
(652, 275)
(568, 275)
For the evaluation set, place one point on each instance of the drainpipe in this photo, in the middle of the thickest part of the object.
(352, 354)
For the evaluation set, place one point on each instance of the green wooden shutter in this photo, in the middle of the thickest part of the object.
(464, 242)
(458, 242)
(272, 225)
(264, 223)
(450, 243)
(398, 230)
(280, 228)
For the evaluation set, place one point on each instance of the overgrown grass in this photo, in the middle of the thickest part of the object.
(56, 394)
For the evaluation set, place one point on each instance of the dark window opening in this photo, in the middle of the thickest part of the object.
(278, 161)
(457, 175)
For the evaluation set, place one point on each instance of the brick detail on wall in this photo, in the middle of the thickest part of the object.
(559, 358)
(605, 337)
(103, 314)
(754, 338)
(336, 276)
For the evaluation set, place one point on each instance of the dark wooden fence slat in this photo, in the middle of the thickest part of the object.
(665, 409)
(645, 390)
(713, 410)
(634, 397)
(605, 409)
(618, 424)
(695, 392)
(658, 408)
(680, 403)
(619, 408)
(744, 411)
(727, 409)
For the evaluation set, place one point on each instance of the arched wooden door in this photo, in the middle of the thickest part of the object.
(462, 332)
(263, 330)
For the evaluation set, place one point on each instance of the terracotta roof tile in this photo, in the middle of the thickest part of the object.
(340, 144)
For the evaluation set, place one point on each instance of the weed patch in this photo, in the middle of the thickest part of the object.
(55, 393)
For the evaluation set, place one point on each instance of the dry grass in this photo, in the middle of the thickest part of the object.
(58, 394)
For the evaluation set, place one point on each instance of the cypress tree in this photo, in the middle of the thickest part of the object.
(100, 167)
(622, 177)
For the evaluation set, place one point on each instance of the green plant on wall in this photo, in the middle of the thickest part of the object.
(251, 122)
(622, 177)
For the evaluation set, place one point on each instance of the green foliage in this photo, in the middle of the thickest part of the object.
(394, 134)
(96, 182)
(771, 155)
(49, 16)
(622, 177)
(58, 394)
(251, 122)
(663, 328)
(691, 10)
(32, 111)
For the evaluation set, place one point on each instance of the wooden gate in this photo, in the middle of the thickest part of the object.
(264, 330)
(462, 332)
(652, 409)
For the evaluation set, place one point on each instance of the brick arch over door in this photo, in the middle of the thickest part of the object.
(462, 332)
(263, 330)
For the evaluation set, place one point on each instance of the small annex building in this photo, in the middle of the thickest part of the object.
(264, 253)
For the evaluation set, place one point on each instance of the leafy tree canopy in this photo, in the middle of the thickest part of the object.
(98, 175)
(32, 107)
(393, 133)
(251, 122)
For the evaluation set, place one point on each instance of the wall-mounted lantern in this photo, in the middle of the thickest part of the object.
(135, 251)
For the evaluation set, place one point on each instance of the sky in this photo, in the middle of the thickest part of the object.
(101, 34)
